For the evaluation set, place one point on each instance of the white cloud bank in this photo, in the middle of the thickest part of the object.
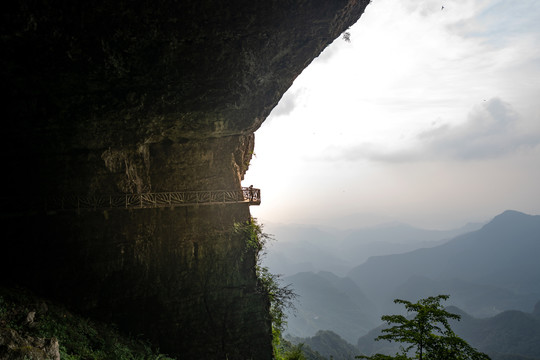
(492, 129)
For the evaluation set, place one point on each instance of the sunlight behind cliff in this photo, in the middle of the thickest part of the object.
(427, 116)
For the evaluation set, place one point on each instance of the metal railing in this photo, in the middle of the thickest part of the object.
(250, 195)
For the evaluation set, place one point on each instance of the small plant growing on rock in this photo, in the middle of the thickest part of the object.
(280, 297)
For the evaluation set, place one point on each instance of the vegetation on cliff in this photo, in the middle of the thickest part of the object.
(281, 297)
(34, 328)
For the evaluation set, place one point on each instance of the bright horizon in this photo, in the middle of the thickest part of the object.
(428, 116)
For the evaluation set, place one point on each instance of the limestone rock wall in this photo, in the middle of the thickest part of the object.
(180, 277)
(151, 96)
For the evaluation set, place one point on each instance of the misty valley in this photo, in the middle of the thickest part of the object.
(346, 280)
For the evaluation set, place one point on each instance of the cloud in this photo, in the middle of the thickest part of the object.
(492, 129)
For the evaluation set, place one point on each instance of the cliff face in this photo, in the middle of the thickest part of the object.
(158, 96)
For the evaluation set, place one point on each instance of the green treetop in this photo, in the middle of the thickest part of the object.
(427, 335)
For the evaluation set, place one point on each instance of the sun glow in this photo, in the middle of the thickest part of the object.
(382, 124)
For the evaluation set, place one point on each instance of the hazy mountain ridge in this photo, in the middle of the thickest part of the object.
(503, 254)
(329, 345)
(329, 302)
(478, 299)
(490, 273)
(301, 248)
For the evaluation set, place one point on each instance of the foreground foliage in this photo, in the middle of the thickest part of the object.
(427, 335)
(28, 318)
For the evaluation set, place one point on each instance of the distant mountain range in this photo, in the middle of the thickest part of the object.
(492, 269)
(328, 345)
(488, 271)
(301, 248)
(329, 302)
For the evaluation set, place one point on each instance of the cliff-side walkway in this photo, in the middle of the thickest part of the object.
(248, 195)
(252, 196)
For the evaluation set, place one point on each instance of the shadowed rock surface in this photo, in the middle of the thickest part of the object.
(119, 98)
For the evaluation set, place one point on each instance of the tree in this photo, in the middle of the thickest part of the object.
(428, 334)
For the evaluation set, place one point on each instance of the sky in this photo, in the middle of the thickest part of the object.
(429, 115)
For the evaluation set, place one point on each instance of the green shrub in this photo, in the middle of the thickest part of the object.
(78, 337)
